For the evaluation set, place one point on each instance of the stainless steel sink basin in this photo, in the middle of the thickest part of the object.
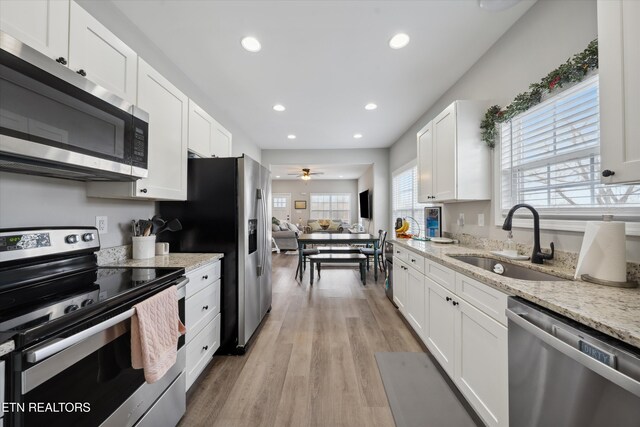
(506, 269)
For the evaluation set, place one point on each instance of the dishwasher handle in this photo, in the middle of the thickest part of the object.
(600, 368)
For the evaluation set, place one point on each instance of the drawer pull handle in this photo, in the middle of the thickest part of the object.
(205, 277)
(205, 348)
(205, 307)
(413, 260)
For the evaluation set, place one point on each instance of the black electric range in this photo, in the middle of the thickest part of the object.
(40, 295)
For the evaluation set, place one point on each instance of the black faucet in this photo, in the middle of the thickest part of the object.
(537, 257)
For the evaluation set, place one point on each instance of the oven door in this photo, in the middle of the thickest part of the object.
(92, 383)
(55, 122)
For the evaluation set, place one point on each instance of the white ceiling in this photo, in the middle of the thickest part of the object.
(329, 171)
(323, 60)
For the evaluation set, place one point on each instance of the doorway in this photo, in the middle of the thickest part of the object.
(282, 206)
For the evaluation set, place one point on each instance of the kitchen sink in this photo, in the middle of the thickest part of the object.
(506, 269)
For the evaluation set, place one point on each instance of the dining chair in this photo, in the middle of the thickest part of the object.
(305, 253)
(372, 252)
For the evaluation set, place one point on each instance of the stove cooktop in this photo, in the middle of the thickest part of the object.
(28, 313)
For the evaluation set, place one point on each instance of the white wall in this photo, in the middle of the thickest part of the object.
(121, 26)
(377, 157)
(301, 190)
(548, 34)
(27, 201)
(365, 182)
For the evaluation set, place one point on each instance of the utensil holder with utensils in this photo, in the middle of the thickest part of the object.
(144, 247)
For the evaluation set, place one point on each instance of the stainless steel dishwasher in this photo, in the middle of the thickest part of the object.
(562, 373)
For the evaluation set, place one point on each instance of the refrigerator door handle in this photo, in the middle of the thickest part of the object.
(265, 246)
(260, 197)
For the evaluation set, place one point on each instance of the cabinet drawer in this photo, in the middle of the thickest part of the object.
(201, 308)
(416, 261)
(490, 301)
(440, 274)
(201, 349)
(202, 277)
(400, 253)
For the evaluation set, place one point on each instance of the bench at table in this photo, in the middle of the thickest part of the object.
(329, 258)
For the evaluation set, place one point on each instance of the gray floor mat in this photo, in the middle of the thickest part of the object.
(418, 394)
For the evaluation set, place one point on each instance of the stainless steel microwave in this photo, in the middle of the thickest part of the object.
(55, 122)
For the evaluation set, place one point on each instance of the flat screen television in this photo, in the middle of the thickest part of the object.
(365, 205)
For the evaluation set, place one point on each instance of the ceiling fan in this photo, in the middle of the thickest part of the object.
(306, 174)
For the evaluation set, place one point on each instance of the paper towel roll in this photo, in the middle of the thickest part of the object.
(603, 251)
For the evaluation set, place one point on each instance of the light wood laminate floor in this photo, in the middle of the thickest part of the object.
(312, 362)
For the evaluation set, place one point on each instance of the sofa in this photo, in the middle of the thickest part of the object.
(326, 226)
(284, 234)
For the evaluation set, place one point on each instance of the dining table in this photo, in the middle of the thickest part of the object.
(337, 239)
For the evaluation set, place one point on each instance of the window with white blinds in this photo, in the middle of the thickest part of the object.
(331, 206)
(405, 198)
(550, 159)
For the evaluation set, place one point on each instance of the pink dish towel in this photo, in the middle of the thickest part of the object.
(155, 329)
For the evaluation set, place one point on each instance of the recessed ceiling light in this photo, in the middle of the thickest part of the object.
(292, 136)
(277, 176)
(279, 107)
(251, 44)
(370, 106)
(496, 5)
(341, 176)
(357, 135)
(399, 41)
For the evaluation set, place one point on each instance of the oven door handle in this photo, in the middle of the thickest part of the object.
(34, 356)
(37, 355)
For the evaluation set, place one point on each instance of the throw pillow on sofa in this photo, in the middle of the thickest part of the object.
(275, 227)
(334, 225)
(275, 220)
(293, 227)
(283, 226)
(315, 226)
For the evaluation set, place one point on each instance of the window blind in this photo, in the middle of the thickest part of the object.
(550, 158)
(330, 206)
(405, 199)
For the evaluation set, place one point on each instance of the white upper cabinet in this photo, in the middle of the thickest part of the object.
(168, 110)
(201, 130)
(207, 137)
(96, 52)
(41, 24)
(454, 164)
(221, 146)
(425, 162)
(619, 63)
(168, 114)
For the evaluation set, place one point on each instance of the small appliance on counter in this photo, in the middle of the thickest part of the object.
(69, 320)
(433, 221)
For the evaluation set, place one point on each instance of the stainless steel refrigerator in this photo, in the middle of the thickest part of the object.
(228, 210)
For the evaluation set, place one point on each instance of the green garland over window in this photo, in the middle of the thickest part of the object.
(574, 70)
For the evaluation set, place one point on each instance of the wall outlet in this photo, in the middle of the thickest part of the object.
(102, 224)
(461, 219)
(480, 220)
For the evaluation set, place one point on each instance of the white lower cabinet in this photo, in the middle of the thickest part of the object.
(415, 299)
(461, 321)
(202, 318)
(439, 327)
(481, 370)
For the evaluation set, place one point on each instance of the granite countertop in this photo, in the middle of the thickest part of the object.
(188, 261)
(6, 347)
(613, 311)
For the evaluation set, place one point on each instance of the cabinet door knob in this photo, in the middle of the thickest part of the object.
(61, 60)
(144, 190)
(205, 348)
(607, 173)
(455, 303)
(205, 277)
(448, 299)
(82, 72)
(205, 307)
